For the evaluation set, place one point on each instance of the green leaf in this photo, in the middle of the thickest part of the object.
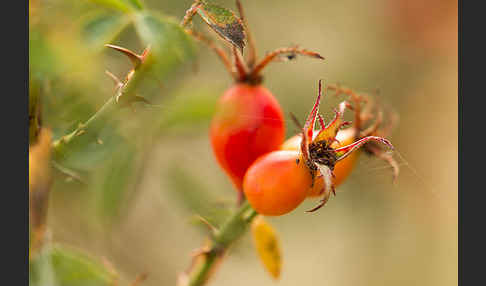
(224, 22)
(43, 61)
(114, 181)
(136, 3)
(170, 45)
(121, 5)
(62, 266)
(101, 28)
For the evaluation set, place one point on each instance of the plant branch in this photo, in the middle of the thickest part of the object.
(205, 263)
(121, 92)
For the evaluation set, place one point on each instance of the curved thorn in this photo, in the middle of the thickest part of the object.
(134, 58)
(115, 79)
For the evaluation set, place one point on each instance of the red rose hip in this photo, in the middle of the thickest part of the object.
(248, 123)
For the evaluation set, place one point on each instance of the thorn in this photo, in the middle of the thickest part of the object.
(211, 227)
(134, 58)
(115, 79)
(138, 98)
(349, 106)
(109, 266)
(132, 108)
(145, 53)
(204, 250)
(139, 279)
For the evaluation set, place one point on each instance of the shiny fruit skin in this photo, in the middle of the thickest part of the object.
(342, 169)
(248, 123)
(277, 183)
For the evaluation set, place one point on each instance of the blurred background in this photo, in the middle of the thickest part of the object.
(149, 170)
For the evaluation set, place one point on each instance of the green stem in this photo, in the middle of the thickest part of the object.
(234, 228)
(60, 144)
(124, 92)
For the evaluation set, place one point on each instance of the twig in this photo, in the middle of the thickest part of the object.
(59, 145)
(234, 228)
(252, 54)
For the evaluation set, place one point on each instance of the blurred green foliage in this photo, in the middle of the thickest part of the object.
(58, 265)
(67, 77)
(139, 167)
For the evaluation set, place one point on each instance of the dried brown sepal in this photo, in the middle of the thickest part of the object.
(240, 65)
(322, 202)
(318, 152)
(187, 20)
(269, 57)
(252, 52)
(385, 156)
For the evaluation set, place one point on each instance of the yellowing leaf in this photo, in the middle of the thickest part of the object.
(267, 246)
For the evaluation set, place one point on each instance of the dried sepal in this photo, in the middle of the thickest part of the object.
(327, 175)
(322, 202)
(240, 65)
(318, 152)
(367, 108)
(330, 131)
(385, 156)
(343, 152)
(252, 53)
(269, 57)
(308, 130)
